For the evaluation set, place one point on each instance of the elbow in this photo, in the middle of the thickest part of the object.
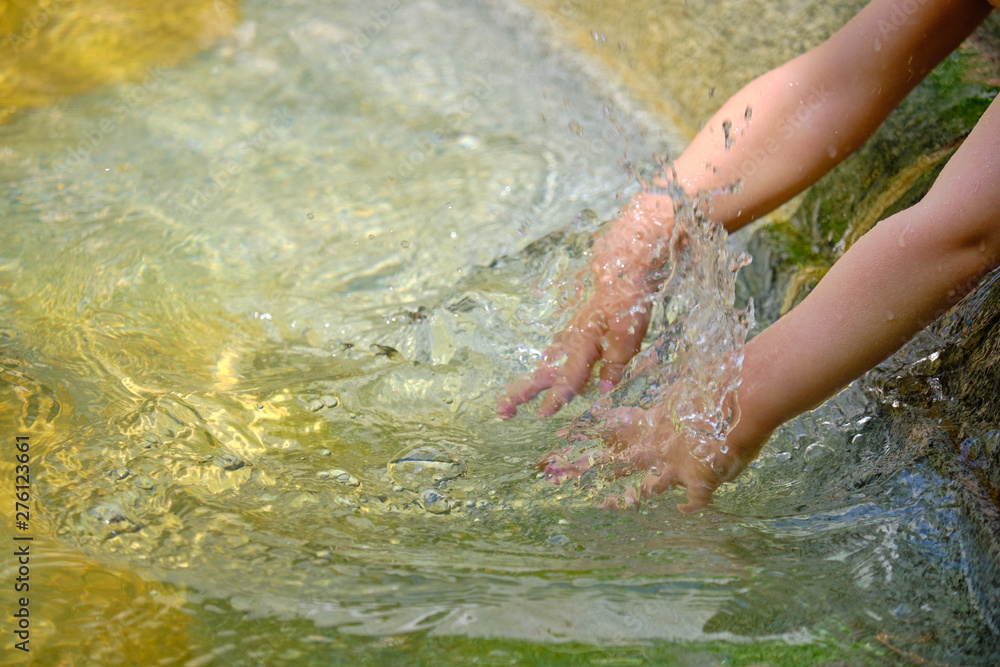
(973, 249)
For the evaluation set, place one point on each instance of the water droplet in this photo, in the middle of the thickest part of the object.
(724, 449)
(878, 44)
(371, 236)
(310, 216)
(902, 240)
(982, 246)
(831, 151)
(405, 244)
(454, 235)
(889, 316)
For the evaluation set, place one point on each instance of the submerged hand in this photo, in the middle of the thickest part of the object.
(611, 325)
(647, 440)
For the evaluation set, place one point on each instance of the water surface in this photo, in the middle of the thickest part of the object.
(256, 311)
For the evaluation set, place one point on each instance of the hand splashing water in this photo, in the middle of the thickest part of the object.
(669, 418)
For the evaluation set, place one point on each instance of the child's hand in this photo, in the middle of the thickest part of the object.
(647, 440)
(611, 325)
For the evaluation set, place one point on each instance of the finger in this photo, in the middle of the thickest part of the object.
(525, 387)
(572, 377)
(560, 468)
(622, 341)
(611, 375)
(654, 485)
(699, 495)
(622, 501)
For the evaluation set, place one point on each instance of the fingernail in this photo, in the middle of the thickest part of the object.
(606, 386)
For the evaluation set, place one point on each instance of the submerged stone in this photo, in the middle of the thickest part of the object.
(424, 466)
(229, 461)
(434, 502)
(343, 477)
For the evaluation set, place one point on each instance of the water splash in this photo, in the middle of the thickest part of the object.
(690, 375)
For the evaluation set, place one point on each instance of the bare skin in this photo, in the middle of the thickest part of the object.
(807, 116)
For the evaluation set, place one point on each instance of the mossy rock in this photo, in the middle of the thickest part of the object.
(892, 171)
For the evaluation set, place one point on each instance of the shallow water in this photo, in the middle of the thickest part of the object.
(255, 326)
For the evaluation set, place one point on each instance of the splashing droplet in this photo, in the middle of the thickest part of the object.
(727, 126)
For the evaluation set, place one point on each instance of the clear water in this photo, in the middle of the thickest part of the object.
(256, 326)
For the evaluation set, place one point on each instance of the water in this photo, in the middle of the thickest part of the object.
(256, 327)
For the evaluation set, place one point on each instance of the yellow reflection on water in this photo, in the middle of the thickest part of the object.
(85, 612)
(53, 48)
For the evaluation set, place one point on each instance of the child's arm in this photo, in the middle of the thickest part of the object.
(805, 117)
(896, 279)
(815, 110)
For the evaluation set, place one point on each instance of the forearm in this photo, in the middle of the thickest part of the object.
(811, 113)
(895, 280)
